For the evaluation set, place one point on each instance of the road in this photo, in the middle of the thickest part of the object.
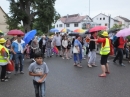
(65, 80)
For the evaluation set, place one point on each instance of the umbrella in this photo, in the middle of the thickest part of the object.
(87, 32)
(54, 30)
(15, 32)
(29, 36)
(97, 28)
(79, 30)
(123, 33)
(114, 30)
(73, 34)
(65, 30)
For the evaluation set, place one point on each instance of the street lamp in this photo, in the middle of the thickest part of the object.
(89, 8)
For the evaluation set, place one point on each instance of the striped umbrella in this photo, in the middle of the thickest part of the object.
(79, 30)
(65, 30)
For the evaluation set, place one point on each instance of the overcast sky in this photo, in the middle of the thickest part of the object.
(64, 7)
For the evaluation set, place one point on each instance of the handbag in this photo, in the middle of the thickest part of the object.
(37, 50)
(75, 50)
(10, 67)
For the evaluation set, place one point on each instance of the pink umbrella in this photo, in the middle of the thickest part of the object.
(15, 32)
(97, 28)
(123, 33)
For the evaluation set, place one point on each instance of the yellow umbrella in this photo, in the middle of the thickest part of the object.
(79, 30)
(65, 30)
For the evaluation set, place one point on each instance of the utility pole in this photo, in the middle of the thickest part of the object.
(109, 21)
(89, 8)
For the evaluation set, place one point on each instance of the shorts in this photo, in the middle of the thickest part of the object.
(104, 59)
(59, 48)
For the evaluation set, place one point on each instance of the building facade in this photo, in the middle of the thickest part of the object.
(3, 25)
(124, 21)
(73, 22)
(104, 20)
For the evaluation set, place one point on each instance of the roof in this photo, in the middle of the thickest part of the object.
(125, 19)
(75, 18)
(106, 16)
(3, 11)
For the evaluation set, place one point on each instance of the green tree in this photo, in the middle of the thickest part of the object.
(116, 26)
(24, 12)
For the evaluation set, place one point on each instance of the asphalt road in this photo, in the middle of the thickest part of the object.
(65, 80)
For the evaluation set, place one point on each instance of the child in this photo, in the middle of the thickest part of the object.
(39, 70)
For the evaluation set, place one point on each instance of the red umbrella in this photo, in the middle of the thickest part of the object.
(97, 28)
(15, 32)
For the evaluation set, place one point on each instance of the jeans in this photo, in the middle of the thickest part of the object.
(126, 52)
(120, 55)
(39, 89)
(3, 72)
(49, 52)
(18, 60)
(92, 55)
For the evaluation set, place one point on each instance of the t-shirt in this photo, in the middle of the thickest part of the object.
(57, 40)
(35, 68)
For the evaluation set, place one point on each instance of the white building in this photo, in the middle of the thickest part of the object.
(3, 25)
(124, 21)
(103, 20)
(72, 22)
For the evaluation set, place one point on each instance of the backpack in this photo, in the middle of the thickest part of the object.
(116, 43)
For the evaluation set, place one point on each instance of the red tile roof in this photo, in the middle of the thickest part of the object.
(75, 18)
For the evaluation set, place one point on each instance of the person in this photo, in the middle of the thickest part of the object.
(39, 71)
(4, 59)
(18, 47)
(77, 51)
(92, 53)
(120, 49)
(105, 51)
(64, 47)
(57, 42)
(8, 46)
(34, 48)
(48, 47)
(68, 48)
(42, 44)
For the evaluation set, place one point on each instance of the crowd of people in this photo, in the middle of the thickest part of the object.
(76, 47)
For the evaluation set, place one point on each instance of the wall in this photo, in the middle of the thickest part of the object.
(58, 23)
(3, 25)
(103, 22)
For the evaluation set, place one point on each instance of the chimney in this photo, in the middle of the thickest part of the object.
(67, 15)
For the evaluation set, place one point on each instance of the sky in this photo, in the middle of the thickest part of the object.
(108, 7)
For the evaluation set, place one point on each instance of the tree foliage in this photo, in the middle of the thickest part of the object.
(32, 14)
(116, 26)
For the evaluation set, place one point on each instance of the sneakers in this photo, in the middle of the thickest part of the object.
(122, 64)
(21, 72)
(4, 80)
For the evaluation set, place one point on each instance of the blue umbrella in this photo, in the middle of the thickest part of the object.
(54, 30)
(29, 36)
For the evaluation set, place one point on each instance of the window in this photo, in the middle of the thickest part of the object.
(84, 26)
(106, 24)
(67, 25)
(103, 18)
(60, 25)
(57, 25)
(100, 18)
(76, 25)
